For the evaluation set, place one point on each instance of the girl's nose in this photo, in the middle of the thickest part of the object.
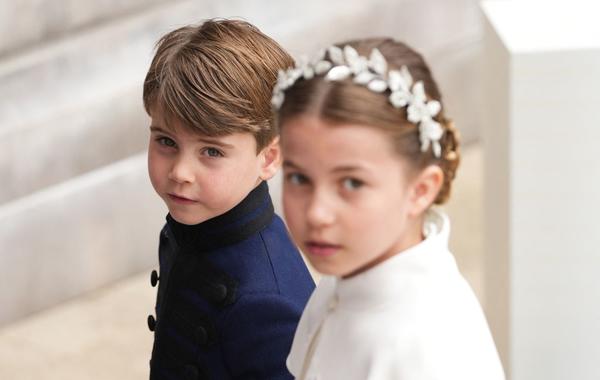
(181, 171)
(320, 211)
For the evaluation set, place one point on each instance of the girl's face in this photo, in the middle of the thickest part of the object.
(348, 198)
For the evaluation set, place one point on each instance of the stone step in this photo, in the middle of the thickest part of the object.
(71, 143)
(78, 236)
(37, 21)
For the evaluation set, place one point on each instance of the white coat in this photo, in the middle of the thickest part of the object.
(411, 317)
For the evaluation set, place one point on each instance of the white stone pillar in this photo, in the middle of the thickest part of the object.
(542, 186)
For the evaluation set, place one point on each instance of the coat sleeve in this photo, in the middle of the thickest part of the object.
(260, 329)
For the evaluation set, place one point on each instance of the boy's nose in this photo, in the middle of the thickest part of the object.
(181, 171)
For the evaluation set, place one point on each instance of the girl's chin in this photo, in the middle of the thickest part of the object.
(329, 270)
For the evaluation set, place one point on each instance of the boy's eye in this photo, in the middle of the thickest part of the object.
(166, 141)
(296, 179)
(352, 183)
(212, 152)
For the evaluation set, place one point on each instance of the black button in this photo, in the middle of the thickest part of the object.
(151, 322)
(191, 372)
(153, 278)
(220, 292)
(201, 335)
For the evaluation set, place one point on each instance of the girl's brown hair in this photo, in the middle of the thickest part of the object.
(344, 102)
(216, 79)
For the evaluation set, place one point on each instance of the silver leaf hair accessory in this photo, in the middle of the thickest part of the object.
(373, 73)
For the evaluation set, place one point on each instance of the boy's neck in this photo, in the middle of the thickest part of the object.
(249, 216)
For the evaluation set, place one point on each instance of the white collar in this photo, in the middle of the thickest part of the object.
(375, 286)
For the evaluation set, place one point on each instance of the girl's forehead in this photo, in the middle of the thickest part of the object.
(329, 146)
(304, 130)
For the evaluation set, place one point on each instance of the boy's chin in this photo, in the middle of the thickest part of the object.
(189, 219)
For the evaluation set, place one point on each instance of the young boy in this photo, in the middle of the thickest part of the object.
(232, 285)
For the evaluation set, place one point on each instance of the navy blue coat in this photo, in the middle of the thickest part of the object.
(231, 291)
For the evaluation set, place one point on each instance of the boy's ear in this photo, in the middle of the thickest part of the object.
(270, 159)
(425, 188)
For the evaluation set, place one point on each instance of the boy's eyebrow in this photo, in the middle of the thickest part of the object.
(154, 128)
(206, 140)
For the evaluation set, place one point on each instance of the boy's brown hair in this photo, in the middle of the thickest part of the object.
(216, 78)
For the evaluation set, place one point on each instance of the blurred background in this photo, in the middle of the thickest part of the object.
(79, 219)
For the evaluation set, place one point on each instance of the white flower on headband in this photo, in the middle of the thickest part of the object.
(338, 73)
(422, 111)
(400, 83)
(306, 68)
(283, 83)
(419, 107)
(430, 133)
(372, 73)
(377, 62)
(356, 62)
(336, 55)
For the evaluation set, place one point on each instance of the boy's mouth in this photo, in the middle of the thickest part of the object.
(179, 199)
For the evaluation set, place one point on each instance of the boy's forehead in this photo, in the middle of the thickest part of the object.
(180, 129)
(164, 121)
(168, 123)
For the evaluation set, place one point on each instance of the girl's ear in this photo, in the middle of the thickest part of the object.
(270, 159)
(425, 188)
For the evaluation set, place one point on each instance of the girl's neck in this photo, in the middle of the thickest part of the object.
(413, 236)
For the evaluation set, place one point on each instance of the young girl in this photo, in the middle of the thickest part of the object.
(367, 151)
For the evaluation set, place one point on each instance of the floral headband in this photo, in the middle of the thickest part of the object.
(373, 74)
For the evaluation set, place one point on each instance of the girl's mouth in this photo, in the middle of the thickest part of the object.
(321, 248)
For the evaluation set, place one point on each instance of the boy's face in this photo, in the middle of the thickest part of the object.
(348, 200)
(200, 177)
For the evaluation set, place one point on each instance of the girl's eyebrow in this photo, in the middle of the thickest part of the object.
(339, 169)
(349, 168)
(290, 164)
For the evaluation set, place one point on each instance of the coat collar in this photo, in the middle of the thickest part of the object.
(248, 217)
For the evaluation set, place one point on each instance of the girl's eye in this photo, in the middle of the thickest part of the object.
(352, 184)
(166, 142)
(296, 179)
(212, 152)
